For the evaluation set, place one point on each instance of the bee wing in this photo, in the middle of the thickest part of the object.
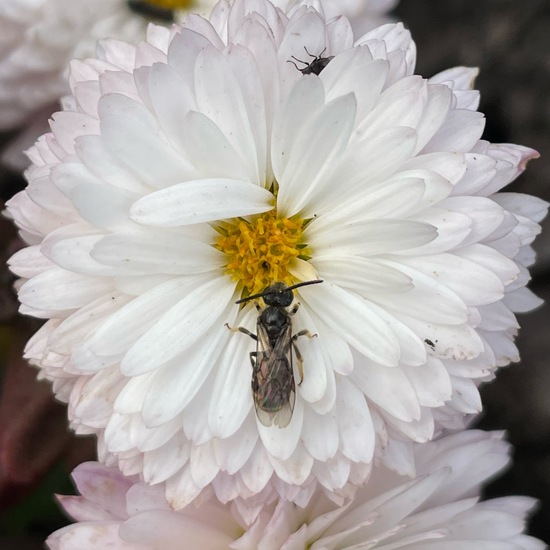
(282, 417)
(273, 385)
(263, 340)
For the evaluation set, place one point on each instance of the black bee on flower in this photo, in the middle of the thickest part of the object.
(273, 385)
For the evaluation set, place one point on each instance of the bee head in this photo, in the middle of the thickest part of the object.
(278, 294)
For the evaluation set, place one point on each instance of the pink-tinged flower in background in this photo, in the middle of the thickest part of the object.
(440, 509)
(201, 166)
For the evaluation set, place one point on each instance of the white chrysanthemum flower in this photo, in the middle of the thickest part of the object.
(38, 38)
(438, 510)
(201, 166)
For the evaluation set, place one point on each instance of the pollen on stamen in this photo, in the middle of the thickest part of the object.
(261, 250)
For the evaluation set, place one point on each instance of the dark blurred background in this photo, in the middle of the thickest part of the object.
(510, 42)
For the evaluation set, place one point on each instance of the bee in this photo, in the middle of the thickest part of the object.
(315, 66)
(273, 385)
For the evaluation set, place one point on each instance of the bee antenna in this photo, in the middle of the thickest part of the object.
(262, 294)
(304, 283)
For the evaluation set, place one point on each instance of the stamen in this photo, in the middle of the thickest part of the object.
(261, 250)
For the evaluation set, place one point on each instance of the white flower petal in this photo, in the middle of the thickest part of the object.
(194, 533)
(372, 237)
(124, 327)
(390, 389)
(210, 150)
(474, 283)
(401, 104)
(144, 254)
(87, 537)
(221, 98)
(176, 384)
(372, 336)
(179, 328)
(460, 132)
(450, 165)
(354, 423)
(317, 146)
(227, 412)
(448, 310)
(281, 443)
(295, 469)
(321, 439)
(163, 463)
(431, 382)
(172, 99)
(29, 262)
(258, 470)
(60, 290)
(81, 325)
(366, 162)
(183, 203)
(233, 452)
(305, 99)
(70, 248)
(333, 472)
(202, 463)
(358, 274)
(130, 133)
(101, 162)
(131, 397)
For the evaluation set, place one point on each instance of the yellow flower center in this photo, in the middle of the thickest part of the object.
(261, 250)
(172, 4)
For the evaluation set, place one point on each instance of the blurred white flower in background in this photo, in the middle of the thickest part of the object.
(440, 509)
(202, 166)
(38, 38)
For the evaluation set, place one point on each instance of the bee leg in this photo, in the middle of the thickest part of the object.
(299, 360)
(297, 351)
(253, 358)
(294, 308)
(303, 333)
(243, 330)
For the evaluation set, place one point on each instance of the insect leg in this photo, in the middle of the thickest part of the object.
(300, 361)
(294, 308)
(299, 60)
(290, 61)
(303, 333)
(243, 330)
(297, 351)
(315, 56)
